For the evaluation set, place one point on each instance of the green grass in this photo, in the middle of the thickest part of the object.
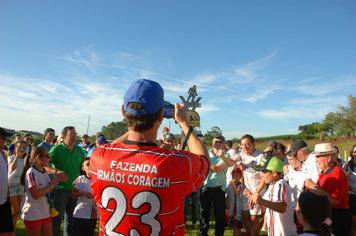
(189, 230)
(21, 230)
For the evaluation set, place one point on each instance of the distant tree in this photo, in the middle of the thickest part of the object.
(343, 120)
(36, 141)
(316, 128)
(209, 135)
(114, 129)
(308, 128)
(324, 129)
(236, 140)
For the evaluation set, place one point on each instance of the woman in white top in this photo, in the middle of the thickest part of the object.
(14, 177)
(36, 210)
(350, 167)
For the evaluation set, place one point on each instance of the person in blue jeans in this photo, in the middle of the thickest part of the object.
(67, 159)
(213, 190)
(194, 196)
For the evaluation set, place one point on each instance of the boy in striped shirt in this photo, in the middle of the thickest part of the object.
(277, 199)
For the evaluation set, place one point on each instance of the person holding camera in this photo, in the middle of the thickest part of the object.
(138, 186)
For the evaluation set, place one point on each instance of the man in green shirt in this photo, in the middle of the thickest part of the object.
(66, 158)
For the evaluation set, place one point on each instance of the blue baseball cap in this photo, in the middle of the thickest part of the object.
(146, 92)
(102, 139)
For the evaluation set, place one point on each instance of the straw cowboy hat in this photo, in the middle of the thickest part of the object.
(324, 149)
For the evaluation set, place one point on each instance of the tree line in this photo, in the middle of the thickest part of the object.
(338, 124)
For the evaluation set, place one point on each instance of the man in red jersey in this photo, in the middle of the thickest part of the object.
(334, 184)
(138, 186)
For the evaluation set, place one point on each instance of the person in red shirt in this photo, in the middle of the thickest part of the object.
(334, 184)
(138, 186)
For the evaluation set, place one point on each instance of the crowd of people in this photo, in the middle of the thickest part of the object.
(47, 184)
(141, 185)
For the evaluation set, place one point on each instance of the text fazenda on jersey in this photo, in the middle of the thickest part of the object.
(134, 178)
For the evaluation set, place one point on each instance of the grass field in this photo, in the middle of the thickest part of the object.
(189, 230)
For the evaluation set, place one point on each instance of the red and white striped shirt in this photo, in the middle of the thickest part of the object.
(280, 224)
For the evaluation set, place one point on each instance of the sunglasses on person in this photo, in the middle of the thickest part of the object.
(28, 139)
(3, 138)
(46, 156)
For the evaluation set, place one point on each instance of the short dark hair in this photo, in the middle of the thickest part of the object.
(280, 146)
(250, 137)
(48, 130)
(65, 129)
(220, 137)
(228, 143)
(81, 165)
(143, 122)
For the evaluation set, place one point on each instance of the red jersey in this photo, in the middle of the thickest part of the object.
(335, 182)
(139, 187)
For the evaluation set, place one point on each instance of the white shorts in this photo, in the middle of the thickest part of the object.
(256, 211)
(16, 189)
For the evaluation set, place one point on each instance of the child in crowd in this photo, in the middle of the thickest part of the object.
(11, 149)
(295, 178)
(36, 209)
(234, 200)
(277, 199)
(313, 211)
(29, 140)
(85, 213)
(16, 167)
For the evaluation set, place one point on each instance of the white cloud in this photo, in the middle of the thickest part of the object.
(250, 72)
(69, 98)
(312, 108)
(258, 95)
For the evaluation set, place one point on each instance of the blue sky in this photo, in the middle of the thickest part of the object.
(261, 67)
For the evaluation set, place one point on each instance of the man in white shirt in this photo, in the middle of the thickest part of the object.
(249, 157)
(301, 150)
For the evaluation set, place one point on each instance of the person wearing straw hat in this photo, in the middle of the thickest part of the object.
(334, 184)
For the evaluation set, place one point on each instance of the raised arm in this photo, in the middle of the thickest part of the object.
(231, 161)
(195, 144)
